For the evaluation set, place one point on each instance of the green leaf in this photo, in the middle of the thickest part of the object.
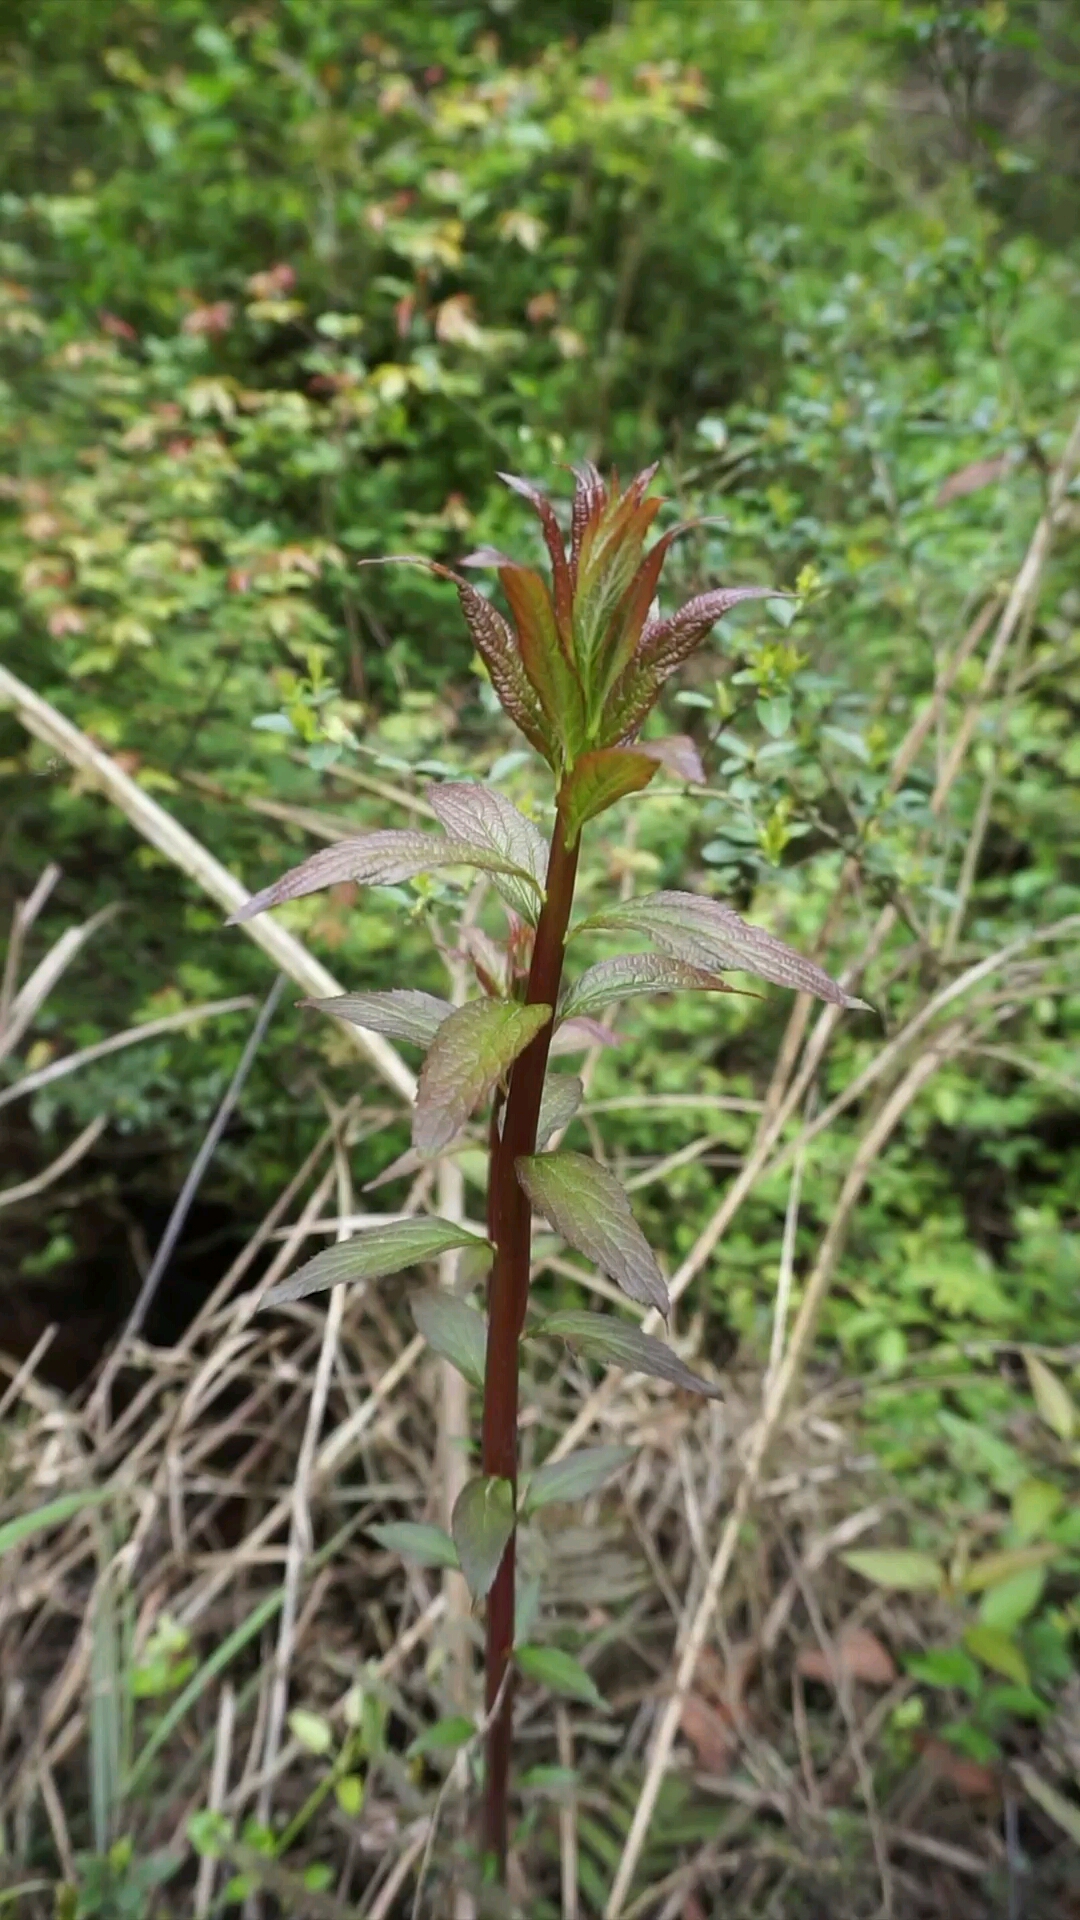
(1034, 1505)
(561, 1672)
(1004, 1606)
(403, 1013)
(312, 1731)
(376, 860)
(775, 714)
(704, 933)
(454, 1330)
(998, 1652)
(445, 1736)
(575, 1476)
(562, 1096)
(634, 974)
(53, 1514)
(482, 1522)
(1052, 1399)
(485, 817)
(599, 779)
(896, 1567)
(415, 1540)
(945, 1667)
(995, 1567)
(586, 1204)
(469, 1055)
(600, 1336)
(370, 1255)
(349, 1794)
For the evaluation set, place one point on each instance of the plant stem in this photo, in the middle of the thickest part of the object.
(510, 1220)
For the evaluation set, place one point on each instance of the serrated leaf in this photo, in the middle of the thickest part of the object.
(599, 779)
(586, 1204)
(445, 1736)
(705, 933)
(494, 641)
(995, 1567)
(472, 1050)
(663, 646)
(550, 1667)
(634, 974)
(602, 1337)
(1053, 1401)
(485, 817)
(429, 1546)
(575, 1476)
(481, 1523)
(454, 1330)
(376, 859)
(561, 1098)
(899, 1568)
(403, 1013)
(998, 1652)
(552, 678)
(377, 1251)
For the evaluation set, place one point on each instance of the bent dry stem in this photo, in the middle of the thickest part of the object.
(511, 1228)
(578, 670)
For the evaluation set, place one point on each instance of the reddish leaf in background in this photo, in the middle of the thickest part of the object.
(211, 320)
(711, 1732)
(860, 1656)
(969, 1777)
(970, 479)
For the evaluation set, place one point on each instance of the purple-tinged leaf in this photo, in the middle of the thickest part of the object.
(551, 676)
(403, 1013)
(600, 779)
(575, 1476)
(481, 1523)
(600, 1336)
(633, 974)
(494, 641)
(375, 860)
(704, 933)
(663, 647)
(587, 1206)
(579, 1034)
(590, 499)
(377, 1251)
(561, 1098)
(468, 1057)
(678, 754)
(551, 1667)
(609, 563)
(453, 1330)
(486, 818)
(560, 568)
(414, 1540)
(486, 557)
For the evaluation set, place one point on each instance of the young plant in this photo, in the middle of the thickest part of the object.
(578, 667)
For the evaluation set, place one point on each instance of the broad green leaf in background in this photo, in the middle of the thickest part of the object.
(574, 1476)
(897, 1567)
(995, 1567)
(370, 1255)
(1009, 1602)
(481, 1523)
(600, 1336)
(585, 1203)
(553, 1668)
(561, 1098)
(454, 1330)
(416, 1540)
(469, 1055)
(1034, 1505)
(402, 1013)
(443, 1736)
(998, 1652)
(704, 933)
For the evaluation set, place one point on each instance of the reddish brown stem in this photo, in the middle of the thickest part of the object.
(510, 1224)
